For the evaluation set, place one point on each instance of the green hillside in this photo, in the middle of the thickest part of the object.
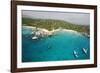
(54, 24)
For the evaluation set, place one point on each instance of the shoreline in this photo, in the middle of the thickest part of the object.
(42, 31)
(54, 30)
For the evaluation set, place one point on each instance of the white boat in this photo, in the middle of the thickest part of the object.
(75, 54)
(34, 37)
(84, 50)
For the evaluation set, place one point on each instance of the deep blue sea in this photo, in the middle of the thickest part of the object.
(58, 47)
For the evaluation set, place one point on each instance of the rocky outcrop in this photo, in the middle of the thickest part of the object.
(41, 33)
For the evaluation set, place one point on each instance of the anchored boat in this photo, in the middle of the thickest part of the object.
(75, 54)
(84, 50)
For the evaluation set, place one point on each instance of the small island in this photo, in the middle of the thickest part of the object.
(49, 32)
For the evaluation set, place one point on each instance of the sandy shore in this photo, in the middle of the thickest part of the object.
(52, 31)
(29, 27)
(47, 32)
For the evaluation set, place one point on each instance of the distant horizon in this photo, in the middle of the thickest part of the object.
(71, 17)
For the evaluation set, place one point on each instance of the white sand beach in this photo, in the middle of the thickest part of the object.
(47, 32)
(41, 32)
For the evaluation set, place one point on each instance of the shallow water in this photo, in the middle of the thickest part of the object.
(58, 47)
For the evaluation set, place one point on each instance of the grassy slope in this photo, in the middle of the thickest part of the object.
(50, 24)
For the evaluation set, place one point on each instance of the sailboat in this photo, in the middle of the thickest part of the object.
(75, 54)
(84, 50)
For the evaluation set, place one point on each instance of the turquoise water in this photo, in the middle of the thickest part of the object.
(58, 47)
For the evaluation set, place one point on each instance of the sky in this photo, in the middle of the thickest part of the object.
(72, 17)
